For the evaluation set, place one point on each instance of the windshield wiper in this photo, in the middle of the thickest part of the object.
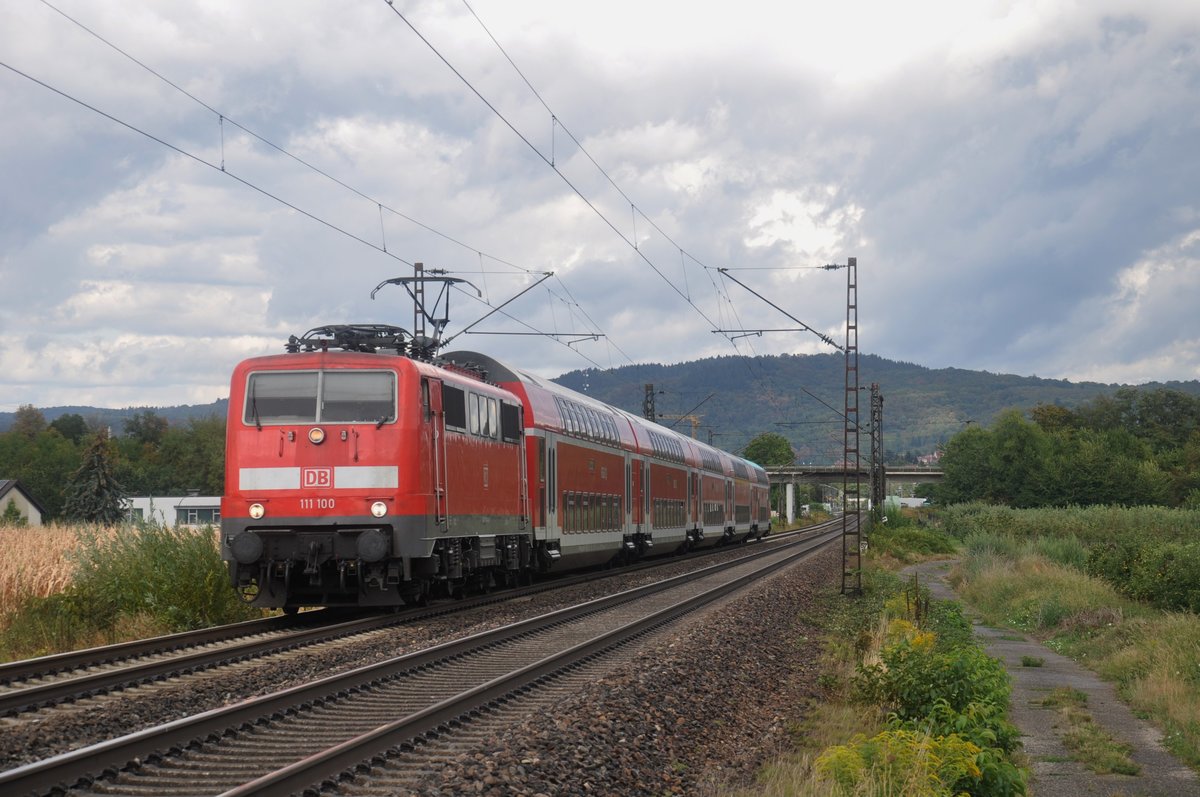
(254, 408)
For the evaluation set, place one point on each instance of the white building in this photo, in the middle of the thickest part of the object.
(26, 504)
(166, 510)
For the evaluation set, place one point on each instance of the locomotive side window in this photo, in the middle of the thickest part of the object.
(510, 423)
(358, 397)
(454, 406)
(473, 413)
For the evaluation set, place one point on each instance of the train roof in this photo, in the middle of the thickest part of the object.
(552, 405)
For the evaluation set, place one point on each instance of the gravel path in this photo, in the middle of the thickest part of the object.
(1054, 772)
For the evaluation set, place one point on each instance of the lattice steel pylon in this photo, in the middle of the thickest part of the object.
(648, 411)
(877, 473)
(851, 475)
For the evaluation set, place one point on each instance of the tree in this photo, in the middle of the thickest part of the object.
(29, 421)
(1051, 417)
(146, 427)
(12, 515)
(770, 449)
(966, 467)
(1018, 463)
(196, 455)
(43, 464)
(71, 426)
(94, 494)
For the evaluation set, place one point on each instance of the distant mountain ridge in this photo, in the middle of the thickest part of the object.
(798, 396)
(115, 418)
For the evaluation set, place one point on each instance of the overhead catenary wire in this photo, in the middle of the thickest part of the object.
(557, 123)
(222, 166)
(382, 247)
(380, 206)
(216, 167)
(548, 160)
(198, 159)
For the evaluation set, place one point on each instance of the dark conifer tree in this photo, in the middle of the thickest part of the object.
(93, 493)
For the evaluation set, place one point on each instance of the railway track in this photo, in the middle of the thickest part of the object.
(332, 725)
(63, 678)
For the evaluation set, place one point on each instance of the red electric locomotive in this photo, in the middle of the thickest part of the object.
(356, 475)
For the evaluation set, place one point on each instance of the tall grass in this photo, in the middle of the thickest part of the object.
(1090, 525)
(114, 584)
(34, 563)
(986, 548)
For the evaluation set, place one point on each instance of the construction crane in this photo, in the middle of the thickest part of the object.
(694, 420)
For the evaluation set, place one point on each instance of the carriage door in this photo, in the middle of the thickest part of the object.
(435, 418)
(694, 497)
(729, 502)
(635, 500)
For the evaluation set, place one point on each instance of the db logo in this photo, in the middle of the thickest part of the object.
(316, 477)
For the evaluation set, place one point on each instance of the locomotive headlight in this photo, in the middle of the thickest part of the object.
(379, 509)
(257, 511)
(316, 435)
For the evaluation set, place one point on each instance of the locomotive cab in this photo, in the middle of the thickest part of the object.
(359, 478)
(313, 476)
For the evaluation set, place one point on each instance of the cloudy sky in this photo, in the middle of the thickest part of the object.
(1019, 182)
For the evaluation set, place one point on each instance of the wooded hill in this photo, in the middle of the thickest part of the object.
(802, 396)
(798, 396)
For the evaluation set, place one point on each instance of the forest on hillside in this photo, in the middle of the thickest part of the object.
(801, 397)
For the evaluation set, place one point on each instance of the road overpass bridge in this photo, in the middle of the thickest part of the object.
(893, 477)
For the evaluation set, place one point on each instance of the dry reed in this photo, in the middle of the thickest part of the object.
(35, 562)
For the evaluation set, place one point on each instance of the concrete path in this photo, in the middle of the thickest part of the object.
(1054, 773)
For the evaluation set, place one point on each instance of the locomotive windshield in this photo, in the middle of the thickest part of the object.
(279, 397)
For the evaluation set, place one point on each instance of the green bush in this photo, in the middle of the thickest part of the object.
(952, 629)
(901, 763)
(1092, 525)
(983, 723)
(1164, 574)
(1167, 576)
(913, 677)
(172, 574)
(143, 580)
(1113, 561)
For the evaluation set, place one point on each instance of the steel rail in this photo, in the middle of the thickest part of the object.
(29, 698)
(327, 765)
(25, 669)
(82, 766)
